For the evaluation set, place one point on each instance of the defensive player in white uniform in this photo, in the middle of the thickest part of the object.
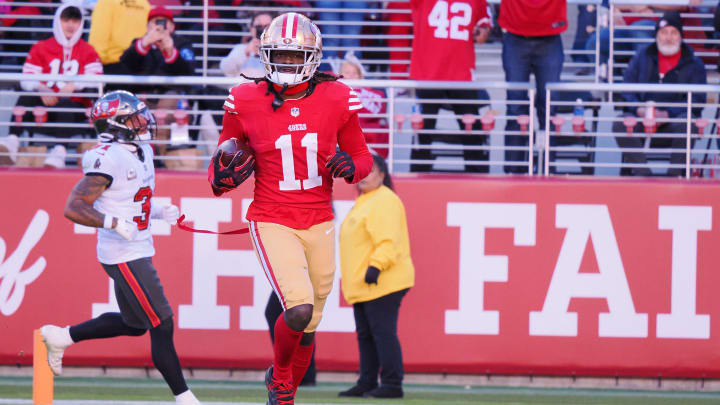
(115, 195)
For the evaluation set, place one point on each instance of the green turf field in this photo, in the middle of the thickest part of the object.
(119, 389)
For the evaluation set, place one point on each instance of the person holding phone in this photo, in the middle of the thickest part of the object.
(161, 52)
(244, 58)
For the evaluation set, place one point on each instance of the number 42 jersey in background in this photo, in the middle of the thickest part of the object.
(132, 183)
(292, 145)
(443, 48)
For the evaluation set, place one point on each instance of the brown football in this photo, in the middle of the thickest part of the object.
(232, 147)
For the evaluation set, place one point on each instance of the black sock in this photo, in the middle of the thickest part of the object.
(165, 357)
(107, 325)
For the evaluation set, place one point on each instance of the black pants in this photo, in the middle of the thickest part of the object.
(465, 140)
(273, 310)
(637, 140)
(380, 351)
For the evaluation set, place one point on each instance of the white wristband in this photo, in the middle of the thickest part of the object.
(107, 223)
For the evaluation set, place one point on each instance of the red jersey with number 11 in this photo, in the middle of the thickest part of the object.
(291, 146)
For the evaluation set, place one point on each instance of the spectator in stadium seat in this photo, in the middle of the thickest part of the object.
(640, 27)
(531, 44)
(376, 273)
(64, 53)
(668, 60)
(373, 103)
(113, 26)
(160, 52)
(244, 57)
(440, 52)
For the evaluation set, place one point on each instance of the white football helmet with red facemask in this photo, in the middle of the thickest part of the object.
(291, 32)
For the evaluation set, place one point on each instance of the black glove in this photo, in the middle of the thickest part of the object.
(371, 275)
(227, 178)
(341, 165)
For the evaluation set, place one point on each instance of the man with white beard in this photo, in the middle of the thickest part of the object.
(668, 60)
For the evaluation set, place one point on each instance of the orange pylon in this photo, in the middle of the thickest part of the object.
(42, 375)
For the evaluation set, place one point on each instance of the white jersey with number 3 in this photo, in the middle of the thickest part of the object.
(132, 183)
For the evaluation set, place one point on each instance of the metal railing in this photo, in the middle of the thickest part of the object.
(591, 136)
(212, 43)
(595, 141)
(398, 102)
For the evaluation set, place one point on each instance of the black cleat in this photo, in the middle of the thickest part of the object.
(354, 391)
(384, 391)
(279, 392)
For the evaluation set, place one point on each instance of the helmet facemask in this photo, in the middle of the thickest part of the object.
(291, 74)
(291, 32)
(134, 128)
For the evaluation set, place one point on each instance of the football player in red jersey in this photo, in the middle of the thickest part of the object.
(294, 119)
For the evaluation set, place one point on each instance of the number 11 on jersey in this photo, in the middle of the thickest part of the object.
(289, 182)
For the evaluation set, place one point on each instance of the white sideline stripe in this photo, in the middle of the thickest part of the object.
(355, 107)
(94, 402)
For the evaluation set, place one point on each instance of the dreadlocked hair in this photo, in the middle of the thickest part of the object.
(318, 78)
(257, 80)
(278, 101)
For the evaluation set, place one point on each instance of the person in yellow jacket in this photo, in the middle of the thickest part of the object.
(114, 25)
(377, 272)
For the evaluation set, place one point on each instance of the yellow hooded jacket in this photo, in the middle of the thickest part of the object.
(115, 24)
(375, 233)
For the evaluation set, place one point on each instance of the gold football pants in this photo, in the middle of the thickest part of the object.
(298, 263)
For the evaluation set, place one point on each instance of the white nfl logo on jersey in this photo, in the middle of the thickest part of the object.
(294, 111)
